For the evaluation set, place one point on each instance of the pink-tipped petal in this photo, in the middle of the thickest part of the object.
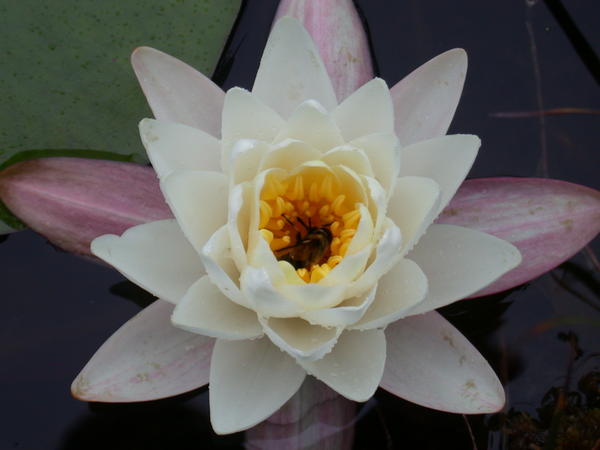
(177, 92)
(146, 359)
(71, 201)
(547, 220)
(337, 31)
(431, 364)
(315, 417)
(425, 100)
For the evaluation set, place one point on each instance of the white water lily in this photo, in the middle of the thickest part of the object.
(303, 228)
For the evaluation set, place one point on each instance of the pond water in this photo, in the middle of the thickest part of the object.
(542, 338)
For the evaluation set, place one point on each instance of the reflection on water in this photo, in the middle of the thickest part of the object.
(542, 339)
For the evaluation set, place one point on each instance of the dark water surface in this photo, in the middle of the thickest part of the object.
(542, 339)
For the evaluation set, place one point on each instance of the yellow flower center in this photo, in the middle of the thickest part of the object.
(306, 220)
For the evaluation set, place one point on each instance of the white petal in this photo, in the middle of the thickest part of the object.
(311, 123)
(364, 232)
(246, 117)
(368, 110)
(238, 222)
(446, 159)
(346, 313)
(220, 266)
(458, 262)
(377, 204)
(249, 381)
(172, 146)
(155, 256)
(176, 92)
(397, 291)
(413, 207)
(349, 156)
(258, 288)
(383, 151)
(205, 310)
(313, 296)
(425, 101)
(291, 70)
(245, 158)
(348, 269)
(263, 257)
(146, 359)
(354, 188)
(299, 338)
(354, 367)
(253, 235)
(288, 155)
(198, 200)
(387, 254)
(445, 373)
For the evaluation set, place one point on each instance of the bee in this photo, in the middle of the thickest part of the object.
(309, 248)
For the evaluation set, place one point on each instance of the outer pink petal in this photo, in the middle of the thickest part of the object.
(177, 92)
(315, 417)
(547, 220)
(71, 201)
(338, 33)
(425, 100)
(146, 359)
(431, 364)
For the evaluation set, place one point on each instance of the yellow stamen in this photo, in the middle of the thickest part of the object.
(335, 245)
(335, 228)
(267, 235)
(313, 193)
(279, 186)
(351, 219)
(347, 233)
(337, 204)
(303, 273)
(317, 274)
(286, 204)
(324, 210)
(275, 224)
(327, 188)
(265, 213)
(279, 243)
(334, 260)
(278, 207)
(269, 191)
(297, 192)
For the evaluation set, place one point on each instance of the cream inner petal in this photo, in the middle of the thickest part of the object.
(299, 338)
(311, 123)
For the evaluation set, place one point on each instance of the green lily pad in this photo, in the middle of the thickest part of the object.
(67, 81)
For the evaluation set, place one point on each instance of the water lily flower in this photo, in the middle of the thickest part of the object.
(303, 228)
